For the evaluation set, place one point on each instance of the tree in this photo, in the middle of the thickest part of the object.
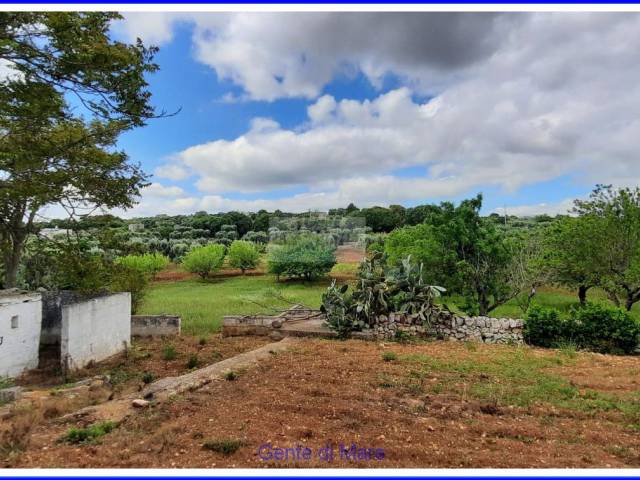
(570, 253)
(243, 255)
(616, 214)
(204, 260)
(461, 251)
(305, 256)
(49, 153)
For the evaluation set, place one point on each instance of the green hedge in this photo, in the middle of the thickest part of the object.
(594, 326)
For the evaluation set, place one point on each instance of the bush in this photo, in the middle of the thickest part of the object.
(169, 352)
(125, 279)
(192, 362)
(605, 329)
(88, 434)
(305, 256)
(596, 327)
(204, 260)
(243, 255)
(149, 263)
(544, 327)
(389, 356)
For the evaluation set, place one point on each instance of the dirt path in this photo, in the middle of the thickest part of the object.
(430, 405)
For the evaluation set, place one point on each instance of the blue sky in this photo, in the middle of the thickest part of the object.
(313, 111)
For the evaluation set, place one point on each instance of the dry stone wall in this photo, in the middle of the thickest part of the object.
(448, 326)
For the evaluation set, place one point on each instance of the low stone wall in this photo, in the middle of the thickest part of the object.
(448, 326)
(155, 325)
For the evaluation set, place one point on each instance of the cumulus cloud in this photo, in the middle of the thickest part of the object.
(172, 172)
(520, 99)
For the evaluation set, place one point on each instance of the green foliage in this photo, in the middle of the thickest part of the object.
(337, 306)
(243, 255)
(389, 356)
(544, 327)
(148, 263)
(461, 251)
(378, 292)
(204, 260)
(169, 352)
(148, 377)
(193, 361)
(89, 434)
(50, 153)
(592, 326)
(6, 382)
(231, 376)
(605, 329)
(225, 447)
(302, 256)
(130, 280)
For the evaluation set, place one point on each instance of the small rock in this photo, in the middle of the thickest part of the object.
(140, 403)
(276, 324)
(10, 394)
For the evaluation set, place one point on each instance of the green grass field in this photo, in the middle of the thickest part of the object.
(202, 304)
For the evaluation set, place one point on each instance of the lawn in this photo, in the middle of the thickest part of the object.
(202, 304)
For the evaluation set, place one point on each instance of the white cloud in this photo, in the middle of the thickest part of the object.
(543, 96)
(172, 172)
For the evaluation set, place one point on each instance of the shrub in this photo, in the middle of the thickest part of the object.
(148, 377)
(389, 356)
(169, 352)
(225, 447)
(192, 362)
(544, 327)
(231, 376)
(125, 279)
(243, 255)
(305, 256)
(149, 263)
(594, 326)
(88, 434)
(204, 260)
(605, 329)
(337, 307)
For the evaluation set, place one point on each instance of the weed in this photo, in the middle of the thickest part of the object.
(401, 336)
(18, 435)
(471, 346)
(202, 341)
(225, 447)
(148, 377)
(88, 434)
(6, 382)
(192, 362)
(389, 356)
(216, 355)
(169, 352)
(231, 376)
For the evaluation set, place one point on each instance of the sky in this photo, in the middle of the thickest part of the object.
(311, 111)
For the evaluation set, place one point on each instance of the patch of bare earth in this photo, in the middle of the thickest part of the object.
(349, 253)
(423, 408)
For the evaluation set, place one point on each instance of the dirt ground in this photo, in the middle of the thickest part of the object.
(349, 253)
(435, 404)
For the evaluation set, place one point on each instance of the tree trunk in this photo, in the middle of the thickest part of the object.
(582, 294)
(483, 303)
(12, 263)
(632, 297)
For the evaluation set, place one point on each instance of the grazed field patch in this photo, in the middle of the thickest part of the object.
(431, 405)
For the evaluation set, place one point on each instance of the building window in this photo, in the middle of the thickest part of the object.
(14, 321)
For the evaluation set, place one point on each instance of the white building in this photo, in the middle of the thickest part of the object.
(20, 324)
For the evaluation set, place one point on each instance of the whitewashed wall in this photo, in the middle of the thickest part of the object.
(95, 329)
(20, 322)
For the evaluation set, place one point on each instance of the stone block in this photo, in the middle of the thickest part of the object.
(11, 394)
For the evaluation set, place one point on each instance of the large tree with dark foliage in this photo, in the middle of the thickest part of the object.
(51, 153)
